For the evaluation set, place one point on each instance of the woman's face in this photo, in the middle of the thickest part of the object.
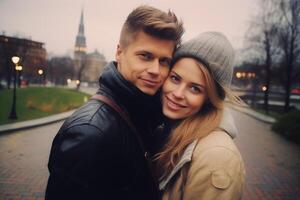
(184, 91)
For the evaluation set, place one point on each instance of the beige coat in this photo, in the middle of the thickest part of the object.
(211, 168)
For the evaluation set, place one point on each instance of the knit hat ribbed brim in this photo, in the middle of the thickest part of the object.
(215, 51)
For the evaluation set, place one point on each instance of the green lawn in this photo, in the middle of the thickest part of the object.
(36, 102)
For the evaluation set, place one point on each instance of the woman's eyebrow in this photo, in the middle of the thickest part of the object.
(199, 85)
(173, 72)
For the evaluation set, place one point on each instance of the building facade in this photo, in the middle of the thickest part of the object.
(32, 58)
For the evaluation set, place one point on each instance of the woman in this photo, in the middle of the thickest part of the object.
(200, 160)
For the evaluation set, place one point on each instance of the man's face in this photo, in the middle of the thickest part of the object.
(145, 61)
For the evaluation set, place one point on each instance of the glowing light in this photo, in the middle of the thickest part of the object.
(19, 68)
(264, 88)
(238, 75)
(40, 71)
(15, 59)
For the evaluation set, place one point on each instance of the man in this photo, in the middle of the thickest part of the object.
(96, 155)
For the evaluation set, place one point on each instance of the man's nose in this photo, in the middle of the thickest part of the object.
(154, 68)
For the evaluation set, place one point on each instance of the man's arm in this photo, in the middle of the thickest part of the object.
(78, 164)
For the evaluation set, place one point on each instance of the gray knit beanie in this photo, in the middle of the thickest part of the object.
(214, 51)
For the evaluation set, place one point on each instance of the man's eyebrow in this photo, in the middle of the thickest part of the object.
(144, 51)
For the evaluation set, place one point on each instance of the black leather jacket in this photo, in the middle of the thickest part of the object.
(95, 154)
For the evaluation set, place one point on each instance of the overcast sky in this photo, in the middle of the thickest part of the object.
(55, 22)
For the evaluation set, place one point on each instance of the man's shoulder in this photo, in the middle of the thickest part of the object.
(94, 114)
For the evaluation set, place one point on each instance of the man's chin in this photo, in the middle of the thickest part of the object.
(148, 91)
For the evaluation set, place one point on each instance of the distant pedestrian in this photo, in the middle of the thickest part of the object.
(100, 152)
(199, 160)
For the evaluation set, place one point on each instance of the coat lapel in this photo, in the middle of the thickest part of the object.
(185, 158)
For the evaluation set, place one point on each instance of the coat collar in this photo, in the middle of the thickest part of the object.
(144, 110)
(185, 158)
(127, 93)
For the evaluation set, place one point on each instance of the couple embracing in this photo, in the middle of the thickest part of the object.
(158, 127)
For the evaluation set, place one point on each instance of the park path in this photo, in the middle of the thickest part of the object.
(272, 162)
(23, 162)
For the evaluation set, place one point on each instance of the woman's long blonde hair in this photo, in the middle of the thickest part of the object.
(194, 127)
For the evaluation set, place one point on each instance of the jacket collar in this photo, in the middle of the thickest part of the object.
(113, 83)
(185, 158)
(227, 124)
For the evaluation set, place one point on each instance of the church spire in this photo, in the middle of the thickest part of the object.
(80, 45)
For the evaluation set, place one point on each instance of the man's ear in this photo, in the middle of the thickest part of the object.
(118, 53)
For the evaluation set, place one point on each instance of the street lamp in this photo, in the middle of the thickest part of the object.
(19, 69)
(41, 72)
(13, 112)
(15, 59)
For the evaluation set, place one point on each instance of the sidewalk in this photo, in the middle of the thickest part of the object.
(36, 122)
(261, 117)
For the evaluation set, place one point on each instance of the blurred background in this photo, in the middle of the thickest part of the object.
(53, 52)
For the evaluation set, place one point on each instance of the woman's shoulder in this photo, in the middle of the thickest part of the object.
(216, 164)
(217, 148)
(217, 139)
(216, 156)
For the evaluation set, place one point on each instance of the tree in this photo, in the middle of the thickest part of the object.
(83, 64)
(289, 42)
(261, 36)
(60, 69)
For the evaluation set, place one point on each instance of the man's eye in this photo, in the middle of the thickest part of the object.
(165, 62)
(145, 56)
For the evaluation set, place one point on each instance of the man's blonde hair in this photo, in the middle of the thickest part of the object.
(153, 22)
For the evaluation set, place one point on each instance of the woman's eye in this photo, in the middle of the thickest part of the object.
(195, 89)
(174, 79)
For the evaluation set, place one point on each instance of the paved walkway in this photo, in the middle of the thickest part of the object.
(272, 163)
(23, 162)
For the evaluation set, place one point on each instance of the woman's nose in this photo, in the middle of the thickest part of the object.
(179, 92)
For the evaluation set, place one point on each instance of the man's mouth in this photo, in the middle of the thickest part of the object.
(150, 83)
